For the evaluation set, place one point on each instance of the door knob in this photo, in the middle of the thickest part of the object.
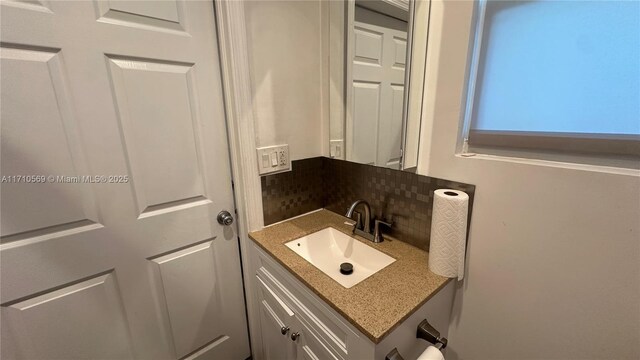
(295, 336)
(225, 218)
(284, 330)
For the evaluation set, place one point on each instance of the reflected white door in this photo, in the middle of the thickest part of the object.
(136, 265)
(379, 48)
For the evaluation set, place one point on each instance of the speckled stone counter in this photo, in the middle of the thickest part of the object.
(376, 305)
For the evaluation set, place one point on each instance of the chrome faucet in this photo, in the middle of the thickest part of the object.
(366, 231)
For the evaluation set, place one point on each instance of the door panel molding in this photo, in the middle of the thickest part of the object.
(187, 281)
(38, 122)
(40, 6)
(164, 18)
(135, 84)
(88, 314)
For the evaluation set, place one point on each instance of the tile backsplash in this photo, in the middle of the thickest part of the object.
(295, 192)
(403, 197)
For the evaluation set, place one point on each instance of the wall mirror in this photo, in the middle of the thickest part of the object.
(375, 93)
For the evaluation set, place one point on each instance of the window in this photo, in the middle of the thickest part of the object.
(556, 75)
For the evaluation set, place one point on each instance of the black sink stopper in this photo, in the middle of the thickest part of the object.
(346, 268)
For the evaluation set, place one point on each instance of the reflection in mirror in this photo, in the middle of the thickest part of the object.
(369, 68)
(374, 125)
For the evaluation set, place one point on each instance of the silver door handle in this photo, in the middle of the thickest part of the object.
(225, 218)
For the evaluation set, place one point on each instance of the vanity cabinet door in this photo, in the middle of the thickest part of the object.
(309, 346)
(276, 325)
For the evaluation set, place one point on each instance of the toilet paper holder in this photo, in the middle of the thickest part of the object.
(429, 333)
(426, 332)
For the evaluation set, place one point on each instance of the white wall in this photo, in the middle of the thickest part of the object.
(336, 20)
(554, 250)
(285, 49)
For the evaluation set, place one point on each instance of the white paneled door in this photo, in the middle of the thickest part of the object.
(115, 164)
(379, 58)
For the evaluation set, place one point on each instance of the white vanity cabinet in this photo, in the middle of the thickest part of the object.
(276, 319)
(294, 323)
(291, 327)
(284, 336)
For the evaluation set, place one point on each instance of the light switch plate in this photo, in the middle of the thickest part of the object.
(336, 149)
(270, 155)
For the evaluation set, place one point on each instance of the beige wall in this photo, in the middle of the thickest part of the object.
(554, 250)
(285, 49)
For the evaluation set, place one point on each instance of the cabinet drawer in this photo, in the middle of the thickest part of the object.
(311, 312)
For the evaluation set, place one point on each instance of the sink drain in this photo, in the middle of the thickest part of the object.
(346, 268)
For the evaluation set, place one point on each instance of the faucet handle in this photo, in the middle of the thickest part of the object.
(378, 222)
(377, 234)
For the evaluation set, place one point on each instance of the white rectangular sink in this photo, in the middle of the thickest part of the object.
(328, 248)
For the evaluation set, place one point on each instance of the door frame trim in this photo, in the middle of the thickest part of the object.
(236, 82)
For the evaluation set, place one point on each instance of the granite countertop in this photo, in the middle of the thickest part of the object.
(377, 304)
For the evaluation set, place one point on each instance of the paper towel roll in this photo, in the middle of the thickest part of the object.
(448, 233)
(431, 353)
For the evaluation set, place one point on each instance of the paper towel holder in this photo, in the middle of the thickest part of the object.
(427, 332)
